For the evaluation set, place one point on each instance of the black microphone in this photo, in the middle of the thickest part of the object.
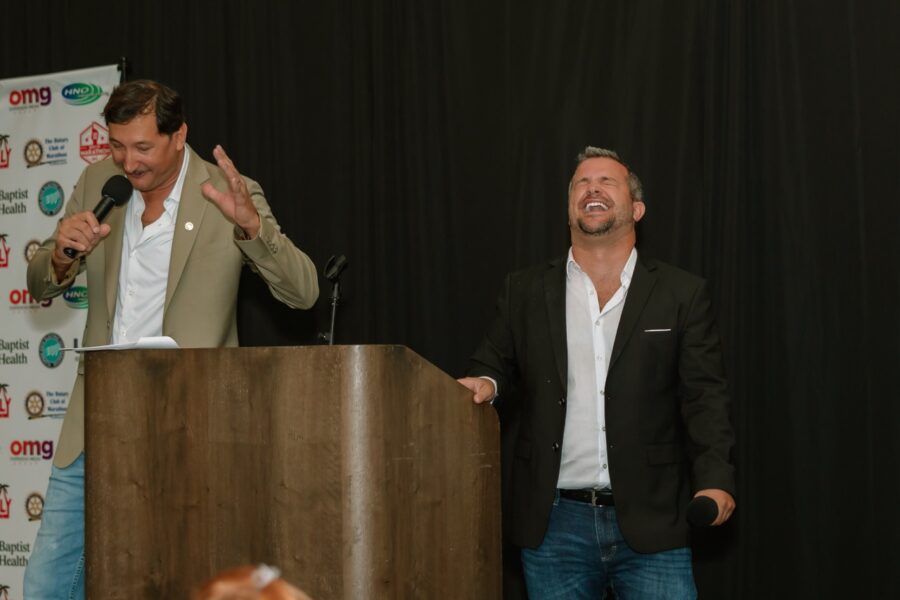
(116, 192)
(334, 267)
(702, 511)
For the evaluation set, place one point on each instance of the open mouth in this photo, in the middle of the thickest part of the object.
(596, 206)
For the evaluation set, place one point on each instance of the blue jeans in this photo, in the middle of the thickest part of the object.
(584, 553)
(56, 567)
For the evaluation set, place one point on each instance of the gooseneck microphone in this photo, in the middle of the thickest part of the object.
(116, 192)
(702, 511)
(332, 272)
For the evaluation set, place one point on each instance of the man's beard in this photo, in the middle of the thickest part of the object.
(601, 229)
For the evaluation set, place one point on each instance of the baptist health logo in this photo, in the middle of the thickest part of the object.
(79, 94)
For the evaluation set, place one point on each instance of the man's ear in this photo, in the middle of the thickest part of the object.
(180, 136)
(637, 210)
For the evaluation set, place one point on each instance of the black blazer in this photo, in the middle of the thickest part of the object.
(667, 422)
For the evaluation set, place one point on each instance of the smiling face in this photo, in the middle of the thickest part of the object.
(151, 160)
(600, 202)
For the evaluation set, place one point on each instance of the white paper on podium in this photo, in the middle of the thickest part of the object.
(160, 342)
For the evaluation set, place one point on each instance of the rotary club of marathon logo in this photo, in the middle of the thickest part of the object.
(4, 252)
(4, 150)
(55, 155)
(93, 143)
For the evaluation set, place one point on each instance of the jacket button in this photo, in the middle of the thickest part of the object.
(556, 446)
(562, 401)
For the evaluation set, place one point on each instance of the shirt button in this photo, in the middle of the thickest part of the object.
(604, 467)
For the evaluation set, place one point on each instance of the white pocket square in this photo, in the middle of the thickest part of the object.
(656, 330)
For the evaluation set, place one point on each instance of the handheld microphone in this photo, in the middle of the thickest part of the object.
(116, 192)
(702, 511)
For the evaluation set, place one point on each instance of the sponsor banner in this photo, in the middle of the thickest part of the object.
(50, 130)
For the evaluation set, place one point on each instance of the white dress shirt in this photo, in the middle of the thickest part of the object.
(590, 333)
(144, 270)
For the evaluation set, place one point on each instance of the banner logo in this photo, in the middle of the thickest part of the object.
(4, 150)
(32, 450)
(34, 506)
(4, 401)
(51, 198)
(5, 501)
(30, 98)
(9, 204)
(94, 143)
(54, 407)
(22, 298)
(50, 350)
(34, 405)
(30, 248)
(11, 352)
(4, 252)
(13, 554)
(76, 296)
(80, 94)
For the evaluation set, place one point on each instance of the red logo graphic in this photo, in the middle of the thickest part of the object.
(94, 143)
(4, 151)
(4, 501)
(4, 252)
(24, 299)
(4, 401)
(31, 97)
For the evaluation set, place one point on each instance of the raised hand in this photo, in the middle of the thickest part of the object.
(234, 202)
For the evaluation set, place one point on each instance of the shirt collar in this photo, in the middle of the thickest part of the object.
(573, 267)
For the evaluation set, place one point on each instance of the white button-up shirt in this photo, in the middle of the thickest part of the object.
(144, 270)
(590, 333)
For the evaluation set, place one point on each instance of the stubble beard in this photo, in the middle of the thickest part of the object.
(602, 229)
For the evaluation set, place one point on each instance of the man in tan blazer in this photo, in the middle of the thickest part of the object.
(167, 262)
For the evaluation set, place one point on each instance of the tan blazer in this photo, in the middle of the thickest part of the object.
(204, 272)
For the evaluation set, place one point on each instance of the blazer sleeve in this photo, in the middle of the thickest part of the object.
(41, 276)
(495, 357)
(288, 272)
(704, 398)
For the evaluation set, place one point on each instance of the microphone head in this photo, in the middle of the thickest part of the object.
(702, 511)
(335, 266)
(118, 188)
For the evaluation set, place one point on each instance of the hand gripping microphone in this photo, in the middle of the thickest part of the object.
(116, 192)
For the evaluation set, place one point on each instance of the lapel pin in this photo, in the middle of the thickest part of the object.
(189, 226)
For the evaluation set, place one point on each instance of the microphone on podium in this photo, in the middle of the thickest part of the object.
(116, 192)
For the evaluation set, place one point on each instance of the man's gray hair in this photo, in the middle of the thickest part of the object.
(634, 184)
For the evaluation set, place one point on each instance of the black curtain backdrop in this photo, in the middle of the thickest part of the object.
(432, 142)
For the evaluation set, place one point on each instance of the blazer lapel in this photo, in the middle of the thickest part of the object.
(191, 209)
(555, 296)
(638, 292)
(112, 256)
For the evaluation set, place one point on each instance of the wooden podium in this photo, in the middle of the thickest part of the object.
(359, 471)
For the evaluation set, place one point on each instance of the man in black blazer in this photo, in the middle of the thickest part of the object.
(612, 364)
